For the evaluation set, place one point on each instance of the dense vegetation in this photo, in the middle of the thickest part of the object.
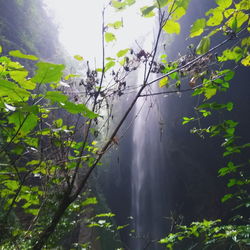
(51, 140)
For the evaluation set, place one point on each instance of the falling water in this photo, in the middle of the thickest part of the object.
(146, 166)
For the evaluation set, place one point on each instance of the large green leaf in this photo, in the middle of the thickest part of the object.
(12, 184)
(109, 37)
(198, 27)
(239, 17)
(172, 27)
(182, 3)
(12, 92)
(56, 96)
(209, 92)
(163, 82)
(1, 49)
(216, 17)
(19, 54)
(243, 5)
(122, 52)
(90, 201)
(116, 25)
(18, 75)
(178, 13)
(26, 84)
(48, 72)
(109, 65)
(23, 123)
(246, 61)
(118, 5)
(78, 109)
(224, 3)
(235, 54)
(147, 11)
(203, 46)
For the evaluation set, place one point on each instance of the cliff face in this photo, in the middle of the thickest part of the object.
(25, 25)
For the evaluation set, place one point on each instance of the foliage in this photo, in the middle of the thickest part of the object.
(47, 159)
(208, 235)
(229, 18)
(38, 152)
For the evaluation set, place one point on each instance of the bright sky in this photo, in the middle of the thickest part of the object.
(80, 22)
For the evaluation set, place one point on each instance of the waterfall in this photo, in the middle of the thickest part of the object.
(147, 161)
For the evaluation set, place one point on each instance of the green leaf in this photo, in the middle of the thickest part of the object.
(18, 75)
(110, 59)
(33, 142)
(23, 123)
(11, 184)
(239, 17)
(90, 201)
(58, 123)
(216, 17)
(187, 120)
(234, 25)
(78, 58)
(109, 37)
(245, 41)
(182, 3)
(5, 59)
(118, 5)
(11, 91)
(228, 74)
(203, 46)
(246, 61)
(56, 96)
(198, 27)
(109, 65)
(178, 13)
(19, 54)
(229, 106)
(224, 3)
(32, 211)
(209, 92)
(122, 52)
(78, 109)
(147, 11)
(233, 182)
(230, 168)
(105, 215)
(48, 73)
(27, 84)
(228, 12)
(1, 49)
(243, 5)
(235, 54)
(163, 3)
(163, 82)
(116, 25)
(71, 165)
(172, 27)
(226, 197)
